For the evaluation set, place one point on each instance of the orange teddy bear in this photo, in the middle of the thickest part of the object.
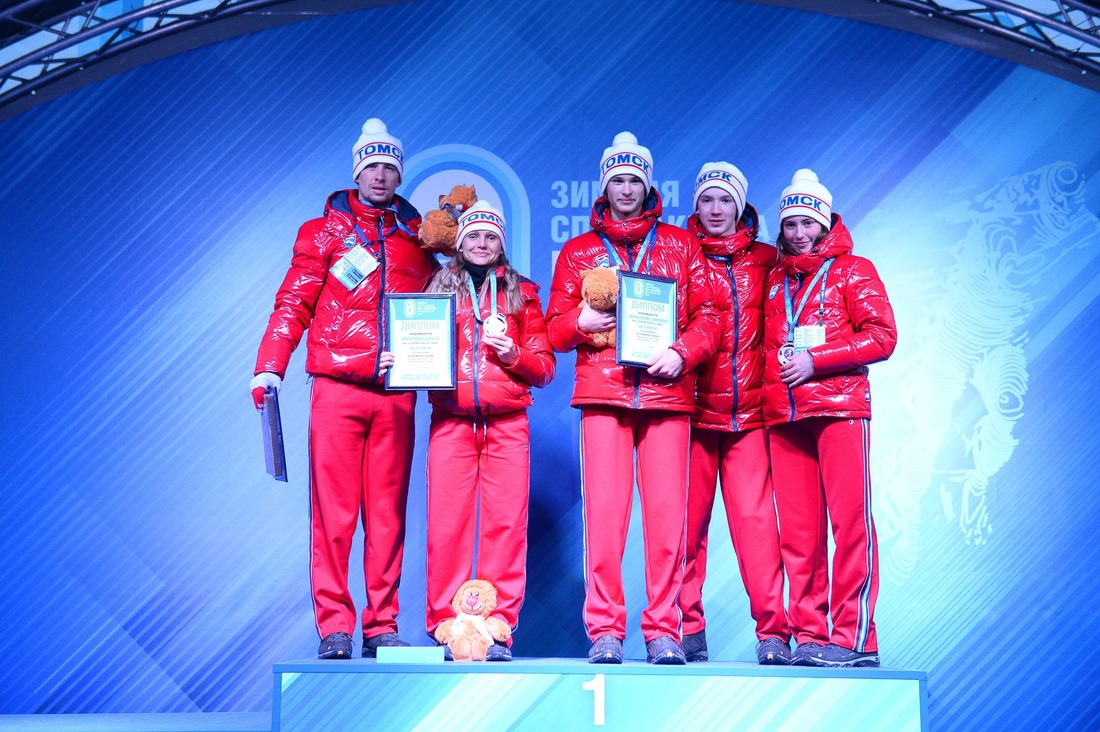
(600, 289)
(472, 631)
(440, 227)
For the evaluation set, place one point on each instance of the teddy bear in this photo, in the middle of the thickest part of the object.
(600, 289)
(439, 227)
(473, 630)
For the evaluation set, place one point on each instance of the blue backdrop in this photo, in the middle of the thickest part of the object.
(147, 222)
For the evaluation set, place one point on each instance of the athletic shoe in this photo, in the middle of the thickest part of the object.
(386, 640)
(694, 647)
(606, 649)
(665, 651)
(335, 645)
(801, 655)
(498, 652)
(834, 656)
(773, 652)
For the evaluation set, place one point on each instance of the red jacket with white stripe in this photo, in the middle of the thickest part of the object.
(346, 327)
(674, 254)
(729, 384)
(859, 330)
(485, 384)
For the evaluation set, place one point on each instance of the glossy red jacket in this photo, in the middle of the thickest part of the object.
(674, 254)
(346, 327)
(729, 384)
(859, 330)
(485, 384)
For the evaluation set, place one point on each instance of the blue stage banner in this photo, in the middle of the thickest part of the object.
(147, 222)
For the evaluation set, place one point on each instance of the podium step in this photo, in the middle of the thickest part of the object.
(570, 694)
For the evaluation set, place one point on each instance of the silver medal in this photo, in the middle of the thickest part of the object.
(495, 325)
(786, 353)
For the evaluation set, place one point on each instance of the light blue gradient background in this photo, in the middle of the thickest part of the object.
(147, 220)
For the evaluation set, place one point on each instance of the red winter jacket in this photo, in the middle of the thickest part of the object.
(674, 254)
(486, 385)
(728, 386)
(346, 327)
(859, 330)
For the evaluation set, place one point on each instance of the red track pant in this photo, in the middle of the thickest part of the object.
(821, 473)
(360, 455)
(740, 459)
(609, 438)
(478, 481)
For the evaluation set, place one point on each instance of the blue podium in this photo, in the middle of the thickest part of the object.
(570, 694)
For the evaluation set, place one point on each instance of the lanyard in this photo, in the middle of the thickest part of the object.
(381, 236)
(643, 253)
(793, 315)
(492, 296)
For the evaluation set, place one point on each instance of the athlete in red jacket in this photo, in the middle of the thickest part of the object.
(727, 436)
(826, 318)
(360, 435)
(626, 409)
(479, 450)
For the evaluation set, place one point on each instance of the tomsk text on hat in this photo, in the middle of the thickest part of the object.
(376, 145)
(626, 157)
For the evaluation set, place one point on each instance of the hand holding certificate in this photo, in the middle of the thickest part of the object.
(645, 318)
(272, 423)
(420, 333)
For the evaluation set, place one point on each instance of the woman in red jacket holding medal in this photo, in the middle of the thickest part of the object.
(826, 318)
(479, 446)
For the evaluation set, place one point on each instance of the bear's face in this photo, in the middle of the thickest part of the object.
(476, 597)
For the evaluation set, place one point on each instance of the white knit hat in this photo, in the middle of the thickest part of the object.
(482, 216)
(376, 145)
(806, 197)
(725, 176)
(626, 157)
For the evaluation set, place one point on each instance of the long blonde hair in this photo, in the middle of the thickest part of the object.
(452, 277)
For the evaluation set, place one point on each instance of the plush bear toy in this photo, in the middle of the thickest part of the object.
(472, 631)
(439, 227)
(600, 289)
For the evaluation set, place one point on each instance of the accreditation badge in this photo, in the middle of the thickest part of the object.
(808, 336)
(495, 325)
(786, 353)
(354, 267)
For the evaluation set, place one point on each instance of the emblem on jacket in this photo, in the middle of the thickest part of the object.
(349, 241)
(771, 292)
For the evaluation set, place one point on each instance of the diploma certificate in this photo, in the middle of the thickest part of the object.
(420, 333)
(645, 317)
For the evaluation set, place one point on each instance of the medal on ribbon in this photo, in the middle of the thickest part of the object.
(495, 325)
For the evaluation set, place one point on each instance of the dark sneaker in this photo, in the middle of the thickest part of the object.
(386, 640)
(801, 655)
(606, 649)
(773, 652)
(834, 656)
(498, 652)
(335, 645)
(447, 655)
(694, 647)
(665, 651)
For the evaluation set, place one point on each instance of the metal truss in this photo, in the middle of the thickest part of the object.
(46, 45)
(1067, 30)
(45, 41)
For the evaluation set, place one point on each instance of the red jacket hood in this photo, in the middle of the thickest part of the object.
(629, 230)
(723, 246)
(838, 241)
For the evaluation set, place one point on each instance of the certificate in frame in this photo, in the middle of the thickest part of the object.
(420, 333)
(645, 322)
